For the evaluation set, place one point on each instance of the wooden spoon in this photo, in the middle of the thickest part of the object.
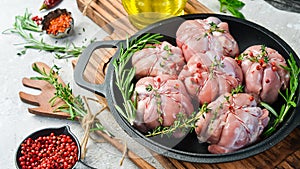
(42, 100)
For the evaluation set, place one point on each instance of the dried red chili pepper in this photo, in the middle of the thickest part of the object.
(48, 4)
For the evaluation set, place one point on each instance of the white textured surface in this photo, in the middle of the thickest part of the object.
(15, 121)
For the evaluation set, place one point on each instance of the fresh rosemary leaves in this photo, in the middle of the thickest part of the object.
(73, 105)
(289, 96)
(124, 76)
(25, 23)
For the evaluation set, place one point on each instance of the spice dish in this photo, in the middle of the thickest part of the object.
(58, 23)
(57, 147)
(188, 148)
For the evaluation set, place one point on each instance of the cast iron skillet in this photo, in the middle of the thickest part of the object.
(188, 149)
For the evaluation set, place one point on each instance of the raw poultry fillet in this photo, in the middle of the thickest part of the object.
(202, 35)
(159, 59)
(232, 122)
(263, 73)
(206, 76)
(159, 100)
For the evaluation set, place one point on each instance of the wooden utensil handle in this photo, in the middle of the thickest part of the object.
(141, 163)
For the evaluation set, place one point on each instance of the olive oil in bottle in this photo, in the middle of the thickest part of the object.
(144, 12)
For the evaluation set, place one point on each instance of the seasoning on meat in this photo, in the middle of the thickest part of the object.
(263, 72)
(232, 122)
(210, 34)
(159, 100)
(206, 76)
(159, 59)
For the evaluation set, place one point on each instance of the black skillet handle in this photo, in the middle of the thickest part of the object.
(84, 60)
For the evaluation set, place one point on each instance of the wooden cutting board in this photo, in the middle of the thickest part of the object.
(111, 16)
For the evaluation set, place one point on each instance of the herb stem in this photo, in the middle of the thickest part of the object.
(73, 105)
(124, 76)
(289, 96)
(182, 123)
(172, 129)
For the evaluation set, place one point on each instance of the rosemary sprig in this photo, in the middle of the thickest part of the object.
(270, 108)
(289, 96)
(24, 23)
(124, 76)
(73, 105)
(214, 28)
(238, 89)
(182, 123)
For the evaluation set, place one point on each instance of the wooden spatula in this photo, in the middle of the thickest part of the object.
(41, 100)
(44, 108)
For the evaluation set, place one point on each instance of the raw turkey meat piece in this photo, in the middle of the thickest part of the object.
(263, 73)
(207, 77)
(159, 100)
(202, 35)
(159, 59)
(232, 122)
